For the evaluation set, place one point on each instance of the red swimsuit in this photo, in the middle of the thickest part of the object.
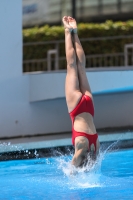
(85, 105)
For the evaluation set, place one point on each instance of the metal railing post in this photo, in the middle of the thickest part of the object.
(126, 47)
(57, 56)
(49, 53)
(125, 55)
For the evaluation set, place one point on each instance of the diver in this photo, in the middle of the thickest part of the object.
(79, 97)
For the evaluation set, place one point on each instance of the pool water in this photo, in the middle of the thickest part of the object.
(49, 179)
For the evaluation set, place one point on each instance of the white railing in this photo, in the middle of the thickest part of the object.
(127, 53)
(53, 60)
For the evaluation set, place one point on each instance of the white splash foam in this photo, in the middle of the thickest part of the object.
(88, 176)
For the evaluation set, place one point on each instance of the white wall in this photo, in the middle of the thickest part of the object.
(25, 107)
(113, 97)
(51, 85)
(114, 110)
(14, 87)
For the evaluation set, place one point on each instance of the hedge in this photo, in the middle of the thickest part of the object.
(85, 30)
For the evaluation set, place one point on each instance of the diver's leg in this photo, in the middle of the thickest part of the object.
(72, 91)
(81, 61)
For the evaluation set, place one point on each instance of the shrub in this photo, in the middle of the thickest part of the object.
(85, 30)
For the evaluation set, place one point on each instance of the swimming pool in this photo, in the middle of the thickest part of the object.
(49, 178)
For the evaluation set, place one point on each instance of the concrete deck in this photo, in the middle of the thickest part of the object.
(60, 140)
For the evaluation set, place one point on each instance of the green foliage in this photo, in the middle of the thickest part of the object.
(109, 28)
(85, 30)
(45, 33)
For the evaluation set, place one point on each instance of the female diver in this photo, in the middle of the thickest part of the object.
(79, 97)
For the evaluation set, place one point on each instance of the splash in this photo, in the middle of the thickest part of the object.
(88, 176)
(85, 177)
(16, 150)
(8, 147)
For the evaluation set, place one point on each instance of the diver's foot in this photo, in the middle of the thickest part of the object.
(66, 24)
(73, 24)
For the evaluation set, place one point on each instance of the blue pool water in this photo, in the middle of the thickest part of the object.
(49, 179)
